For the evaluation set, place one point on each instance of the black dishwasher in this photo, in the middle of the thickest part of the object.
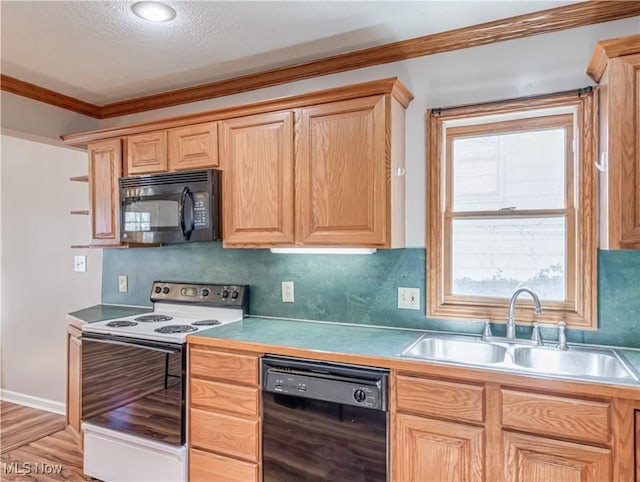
(323, 421)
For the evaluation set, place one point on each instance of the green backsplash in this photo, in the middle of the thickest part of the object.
(351, 288)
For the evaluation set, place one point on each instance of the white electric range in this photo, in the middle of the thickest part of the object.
(134, 381)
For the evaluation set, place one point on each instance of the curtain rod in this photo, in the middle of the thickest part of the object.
(579, 92)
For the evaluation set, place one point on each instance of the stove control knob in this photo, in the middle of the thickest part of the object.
(165, 290)
(359, 396)
(205, 292)
(225, 293)
(157, 289)
(234, 294)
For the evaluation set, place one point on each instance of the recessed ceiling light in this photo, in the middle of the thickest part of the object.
(154, 11)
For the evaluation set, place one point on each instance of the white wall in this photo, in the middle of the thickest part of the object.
(534, 65)
(38, 283)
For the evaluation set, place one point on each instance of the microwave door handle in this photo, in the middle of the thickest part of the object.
(183, 197)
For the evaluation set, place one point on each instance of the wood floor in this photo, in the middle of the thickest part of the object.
(36, 446)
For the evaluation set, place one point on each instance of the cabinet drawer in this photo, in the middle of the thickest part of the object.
(225, 398)
(218, 365)
(563, 417)
(456, 401)
(207, 467)
(224, 434)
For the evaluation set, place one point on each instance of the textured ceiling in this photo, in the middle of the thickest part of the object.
(99, 52)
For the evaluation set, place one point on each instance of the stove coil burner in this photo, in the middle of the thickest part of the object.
(206, 323)
(170, 329)
(154, 318)
(121, 323)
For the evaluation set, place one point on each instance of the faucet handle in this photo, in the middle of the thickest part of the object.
(562, 336)
(486, 331)
(535, 335)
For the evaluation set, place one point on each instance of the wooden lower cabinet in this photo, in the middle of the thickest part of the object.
(637, 444)
(209, 467)
(530, 458)
(74, 381)
(224, 416)
(425, 449)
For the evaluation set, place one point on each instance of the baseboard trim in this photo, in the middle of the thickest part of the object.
(33, 402)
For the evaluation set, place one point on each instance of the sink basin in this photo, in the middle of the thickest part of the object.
(456, 350)
(601, 364)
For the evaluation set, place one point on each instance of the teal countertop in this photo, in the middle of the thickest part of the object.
(106, 312)
(331, 337)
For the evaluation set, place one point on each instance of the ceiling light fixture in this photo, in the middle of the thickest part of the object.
(154, 11)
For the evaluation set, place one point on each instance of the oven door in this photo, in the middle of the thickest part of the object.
(134, 386)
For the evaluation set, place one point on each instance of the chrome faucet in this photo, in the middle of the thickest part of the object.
(511, 322)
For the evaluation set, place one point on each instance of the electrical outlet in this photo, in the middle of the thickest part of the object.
(409, 298)
(123, 283)
(80, 264)
(287, 291)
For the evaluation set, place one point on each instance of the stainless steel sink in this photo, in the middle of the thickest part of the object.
(575, 361)
(582, 363)
(473, 351)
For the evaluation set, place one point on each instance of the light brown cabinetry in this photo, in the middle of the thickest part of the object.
(319, 169)
(346, 174)
(224, 416)
(74, 381)
(105, 167)
(455, 430)
(637, 444)
(258, 179)
(616, 66)
(193, 147)
(183, 148)
(146, 153)
(425, 448)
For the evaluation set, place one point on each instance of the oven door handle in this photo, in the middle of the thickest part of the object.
(132, 344)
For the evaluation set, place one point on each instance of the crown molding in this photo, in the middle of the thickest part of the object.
(35, 92)
(527, 25)
(608, 49)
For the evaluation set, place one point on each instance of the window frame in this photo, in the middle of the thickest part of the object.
(580, 309)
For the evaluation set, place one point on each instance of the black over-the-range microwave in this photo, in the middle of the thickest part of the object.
(176, 207)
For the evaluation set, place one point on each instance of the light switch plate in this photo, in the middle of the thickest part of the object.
(409, 298)
(80, 264)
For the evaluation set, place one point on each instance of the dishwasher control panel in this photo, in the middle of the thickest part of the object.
(333, 383)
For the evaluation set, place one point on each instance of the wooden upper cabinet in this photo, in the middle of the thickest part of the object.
(105, 167)
(616, 65)
(193, 147)
(257, 155)
(344, 167)
(146, 153)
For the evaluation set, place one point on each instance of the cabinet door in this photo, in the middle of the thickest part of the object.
(529, 458)
(257, 155)
(74, 380)
(341, 174)
(637, 445)
(146, 153)
(624, 152)
(193, 147)
(425, 449)
(105, 167)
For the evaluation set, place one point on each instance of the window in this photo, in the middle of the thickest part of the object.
(511, 203)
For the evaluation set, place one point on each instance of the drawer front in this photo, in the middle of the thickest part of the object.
(559, 416)
(207, 467)
(222, 397)
(218, 365)
(456, 401)
(224, 434)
